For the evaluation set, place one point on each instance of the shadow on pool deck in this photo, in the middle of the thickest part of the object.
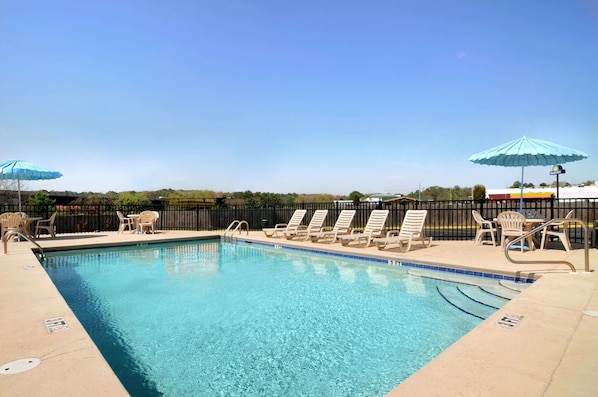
(552, 351)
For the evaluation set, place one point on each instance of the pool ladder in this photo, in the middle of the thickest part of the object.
(237, 225)
(17, 233)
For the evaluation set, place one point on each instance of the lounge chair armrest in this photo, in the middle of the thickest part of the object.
(393, 232)
(280, 226)
(294, 228)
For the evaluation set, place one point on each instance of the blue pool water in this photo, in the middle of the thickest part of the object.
(214, 318)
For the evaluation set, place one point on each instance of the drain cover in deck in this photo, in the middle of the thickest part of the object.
(21, 365)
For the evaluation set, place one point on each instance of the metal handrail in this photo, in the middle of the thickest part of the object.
(535, 230)
(239, 226)
(10, 233)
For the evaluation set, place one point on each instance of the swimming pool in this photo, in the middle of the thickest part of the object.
(220, 318)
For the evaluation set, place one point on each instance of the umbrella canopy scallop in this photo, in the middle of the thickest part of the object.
(525, 152)
(25, 171)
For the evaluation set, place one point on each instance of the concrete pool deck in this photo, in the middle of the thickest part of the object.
(552, 351)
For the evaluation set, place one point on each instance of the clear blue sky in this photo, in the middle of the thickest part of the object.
(307, 96)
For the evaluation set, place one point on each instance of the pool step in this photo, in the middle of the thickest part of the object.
(476, 296)
(453, 296)
(500, 291)
(519, 287)
(453, 277)
(514, 286)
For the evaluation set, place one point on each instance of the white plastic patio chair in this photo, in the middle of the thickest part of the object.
(512, 224)
(147, 220)
(484, 227)
(125, 223)
(47, 225)
(561, 231)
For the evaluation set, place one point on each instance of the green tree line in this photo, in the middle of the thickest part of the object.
(264, 199)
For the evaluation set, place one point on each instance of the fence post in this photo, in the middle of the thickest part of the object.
(196, 218)
(100, 227)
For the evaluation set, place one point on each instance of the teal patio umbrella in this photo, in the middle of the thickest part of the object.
(525, 152)
(24, 171)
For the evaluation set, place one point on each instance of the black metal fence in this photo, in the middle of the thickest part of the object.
(447, 220)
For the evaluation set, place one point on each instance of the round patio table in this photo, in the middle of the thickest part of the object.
(135, 218)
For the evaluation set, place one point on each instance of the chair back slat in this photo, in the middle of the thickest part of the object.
(344, 221)
(317, 220)
(376, 221)
(511, 221)
(413, 223)
(297, 218)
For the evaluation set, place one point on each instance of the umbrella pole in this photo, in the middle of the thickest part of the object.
(521, 194)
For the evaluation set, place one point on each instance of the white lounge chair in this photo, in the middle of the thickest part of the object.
(484, 227)
(562, 232)
(411, 230)
(280, 228)
(373, 228)
(341, 227)
(315, 225)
